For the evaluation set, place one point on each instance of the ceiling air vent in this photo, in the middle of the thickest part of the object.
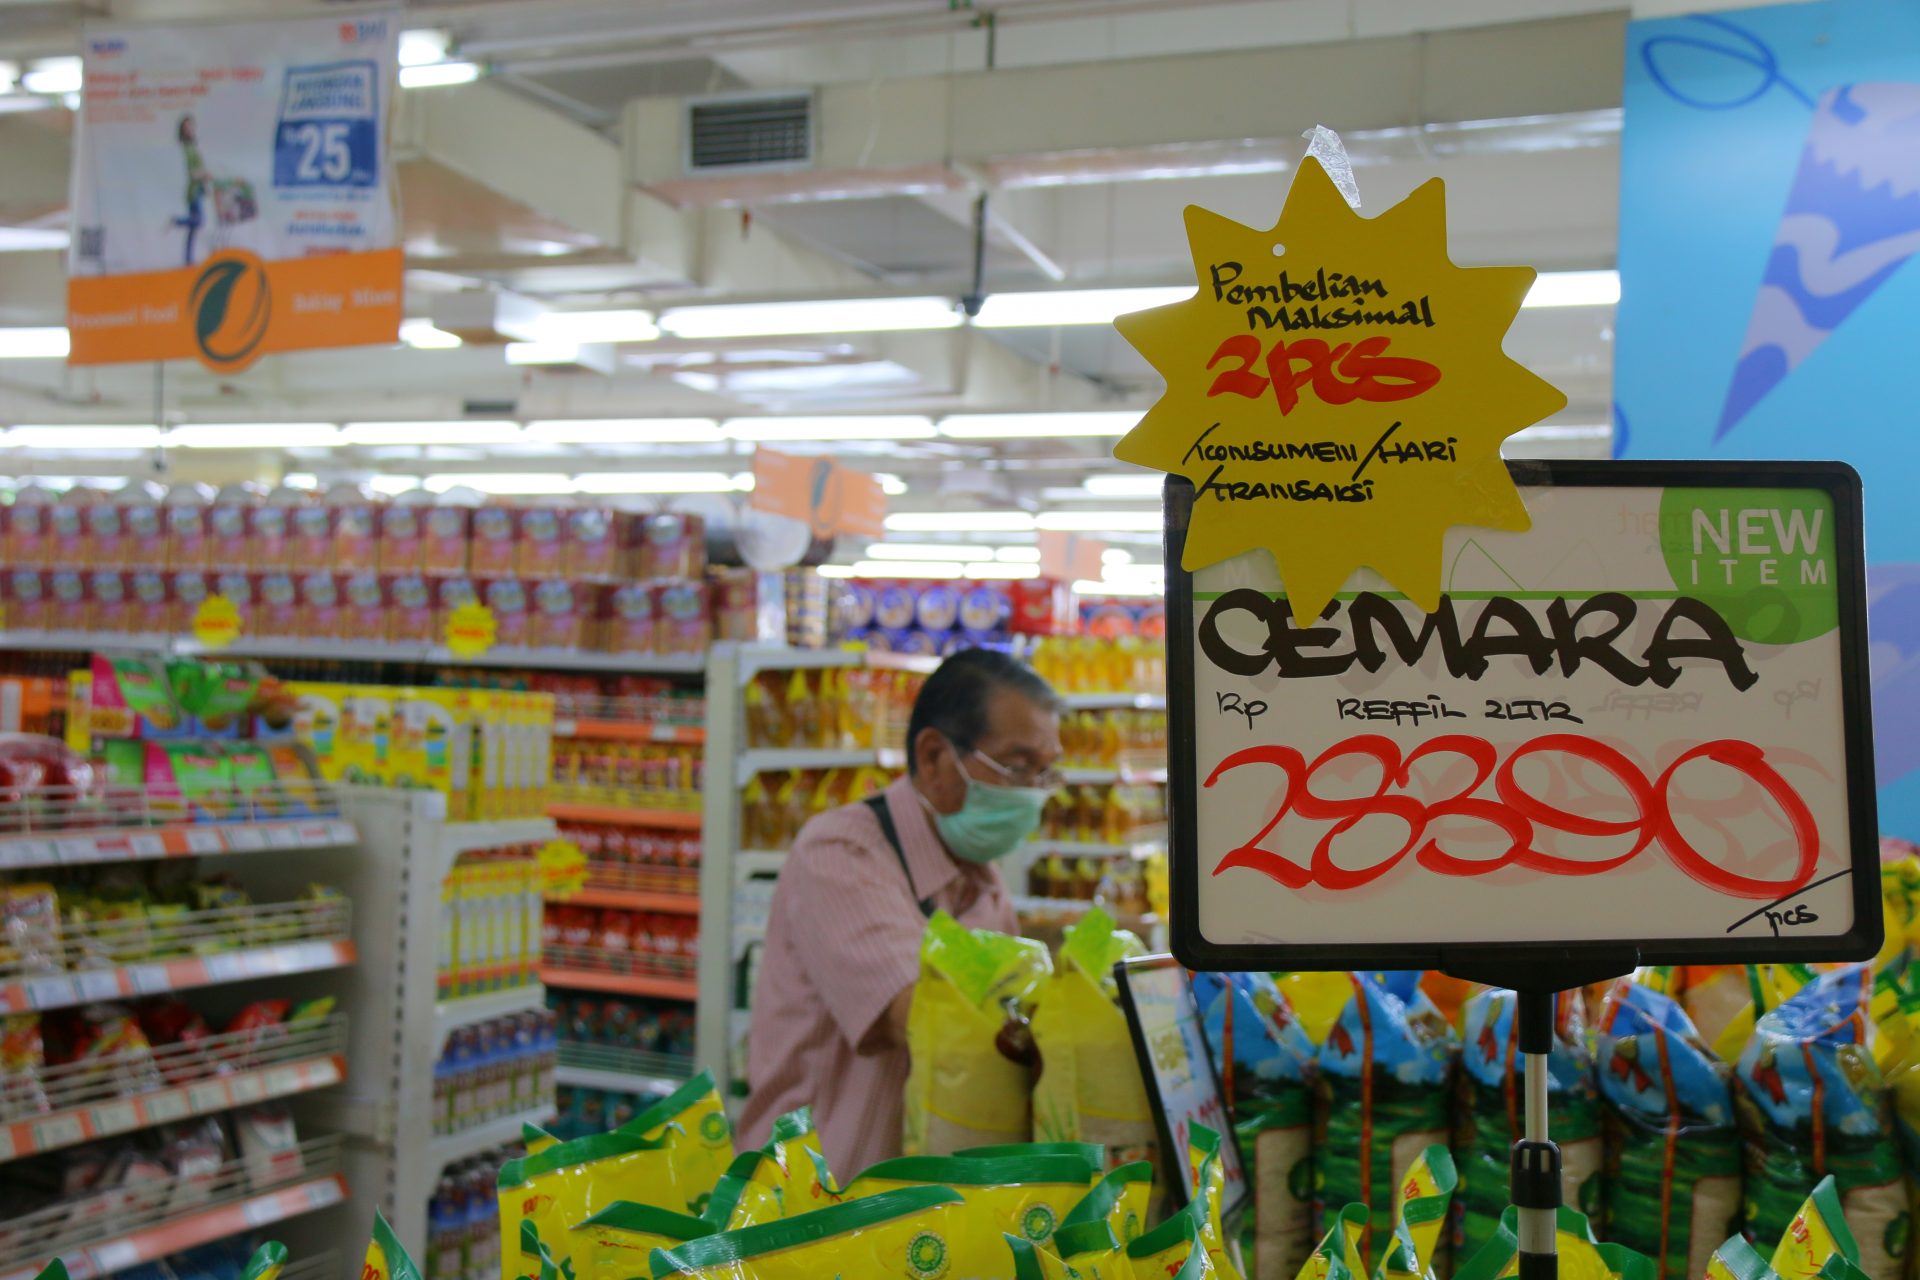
(749, 131)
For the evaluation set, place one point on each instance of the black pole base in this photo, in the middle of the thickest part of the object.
(1539, 1266)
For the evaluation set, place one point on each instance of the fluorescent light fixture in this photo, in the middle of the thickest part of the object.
(422, 336)
(624, 431)
(1018, 555)
(422, 46)
(254, 435)
(834, 570)
(611, 482)
(427, 433)
(34, 344)
(1100, 521)
(891, 485)
(595, 326)
(1037, 426)
(906, 569)
(434, 75)
(30, 239)
(60, 437)
(53, 76)
(923, 551)
(997, 569)
(543, 352)
(845, 315)
(1574, 289)
(1145, 571)
(1125, 485)
(392, 485)
(1113, 556)
(874, 427)
(300, 480)
(501, 482)
(1072, 306)
(1086, 587)
(960, 522)
(9, 76)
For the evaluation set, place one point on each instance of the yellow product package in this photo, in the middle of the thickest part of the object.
(1419, 1215)
(267, 1262)
(1817, 1234)
(1581, 1256)
(1738, 1260)
(696, 1125)
(806, 1183)
(387, 1258)
(1016, 1195)
(1338, 1256)
(1087, 1086)
(1173, 1248)
(1120, 1199)
(1209, 1191)
(964, 1088)
(748, 1194)
(566, 1184)
(1037, 1262)
(909, 1234)
(618, 1242)
(1089, 1251)
(535, 1139)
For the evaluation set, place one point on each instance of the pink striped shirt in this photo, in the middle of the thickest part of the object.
(843, 939)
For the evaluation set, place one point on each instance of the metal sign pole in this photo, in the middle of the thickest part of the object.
(1535, 1188)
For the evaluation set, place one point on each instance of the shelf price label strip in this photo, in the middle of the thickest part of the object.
(55, 991)
(140, 1111)
(186, 841)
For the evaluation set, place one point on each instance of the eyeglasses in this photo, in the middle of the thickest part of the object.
(1038, 779)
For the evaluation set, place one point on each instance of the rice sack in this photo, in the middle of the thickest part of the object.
(618, 1242)
(909, 1234)
(1025, 1196)
(1381, 1097)
(1086, 1083)
(1673, 1158)
(1494, 1091)
(694, 1124)
(568, 1183)
(970, 1078)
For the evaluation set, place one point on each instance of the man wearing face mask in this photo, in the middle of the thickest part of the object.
(842, 948)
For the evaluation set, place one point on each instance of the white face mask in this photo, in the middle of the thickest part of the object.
(992, 821)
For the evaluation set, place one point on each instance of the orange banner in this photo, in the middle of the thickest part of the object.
(234, 308)
(1072, 556)
(832, 499)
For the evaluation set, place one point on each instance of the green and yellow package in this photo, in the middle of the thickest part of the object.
(694, 1124)
(963, 1088)
(1120, 1199)
(618, 1242)
(1738, 1260)
(806, 1183)
(1581, 1256)
(748, 1194)
(1209, 1190)
(1087, 1086)
(387, 1258)
(1419, 1217)
(910, 1234)
(564, 1185)
(1817, 1235)
(1037, 1262)
(1174, 1248)
(267, 1262)
(1338, 1256)
(54, 1270)
(1025, 1196)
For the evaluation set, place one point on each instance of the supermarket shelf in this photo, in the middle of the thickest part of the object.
(112, 1231)
(1097, 777)
(449, 1147)
(459, 1012)
(630, 731)
(600, 1066)
(757, 658)
(617, 815)
(69, 847)
(787, 759)
(627, 984)
(1114, 701)
(1029, 905)
(59, 1106)
(365, 651)
(1138, 848)
(59, 990)
(685, 904)
(471, 837)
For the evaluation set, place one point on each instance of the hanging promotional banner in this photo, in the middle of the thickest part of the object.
(233, 191)
(1635, 733)
(832, 499)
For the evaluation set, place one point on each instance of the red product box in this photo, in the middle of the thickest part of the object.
(317, 604)
(446, 533)
(561, 614)
(629, 615)
(234, 537)
(27, 535)
(403, 533)
(356, 536)
(309, 538)
(539, 548)
(410, 609)
(186, 588)
(149, 603)
(143, 524)
(364, 606)
(107, 601)
(1041, 607)
(492, 549)
(189, 536)
(277, 612)
(512, 616)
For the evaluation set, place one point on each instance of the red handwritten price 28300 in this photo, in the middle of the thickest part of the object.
(1515, 813)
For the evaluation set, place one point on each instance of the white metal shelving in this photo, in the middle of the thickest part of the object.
(463, 1011)
(446, 1148)
(364, 651)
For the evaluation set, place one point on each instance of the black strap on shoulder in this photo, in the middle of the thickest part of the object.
(879, 806)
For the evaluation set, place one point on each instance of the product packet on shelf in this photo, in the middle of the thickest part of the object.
(747, 1194)
(909, 1234)
(1581, 1256)
(1494, 1091)
(387, 1258)
(1174, 1248)
(1420, 1209)
(970, 1080)
(1209, 1191)
(565, 1185)
(1673, 1157)
(1084, 1085)
(701, 1139)
(267, 1262)
(618, 1242)
(1120, 1200)
(1266, 1065)
(1814, 1103)
(1024, 1195)
(1382, 1096)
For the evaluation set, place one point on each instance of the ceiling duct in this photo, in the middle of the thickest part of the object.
(748, 133)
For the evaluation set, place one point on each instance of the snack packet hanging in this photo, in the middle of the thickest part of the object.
(1814, 1104)
(1673, 1159)
(1120, 1199)
(386, 1257)
(1381, 1096)
(618, 1242)
(909, 1234)
(695, 1124)
(267, 1262)
(1209, 1193)
(1017, 1195)
(566, 1184)
(1581, 1257)
(1266, 1061)
(1086, 1086)
(970, 1081)
(1494, 1091)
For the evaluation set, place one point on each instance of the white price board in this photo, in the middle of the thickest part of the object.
(1635, 733)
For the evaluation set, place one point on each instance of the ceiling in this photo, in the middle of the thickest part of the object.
(1082, 128)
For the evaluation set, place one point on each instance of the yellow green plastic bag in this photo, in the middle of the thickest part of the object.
(386, 1257)
(1089, 1251)
(1087, 1086)
(535, 1139)
(806, 1183)
(566, 1184)
(1738, 1260)
(749, 1193)
(1037, 1262)
(962, 1089)
(1209, 1190)
(1817, 1235)
(695, 1124)
(54, 1270)
(618, 1242)
(1338, 1256)
(267, 1262)
(909, 1234)
(1581, 1256)
(1174, 1248)
(1419, 1216)
(1025, 1196)
(1119, 1199)
(1092, 1152)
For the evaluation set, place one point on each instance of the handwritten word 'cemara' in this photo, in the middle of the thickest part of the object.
(1515, 813)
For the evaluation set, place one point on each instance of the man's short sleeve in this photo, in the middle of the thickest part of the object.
(854, 925)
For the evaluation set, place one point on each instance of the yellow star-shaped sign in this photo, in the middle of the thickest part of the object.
(1337, 392)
